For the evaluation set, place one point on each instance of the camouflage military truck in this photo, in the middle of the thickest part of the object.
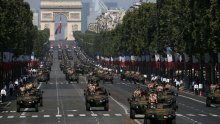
(160, 113)
(39, 94)
(138, 78)
(31, 89)
(93, 79)
(100, 98)
(27, 101)
(168, 98)
(107, 77)
(138, 105)
(71, 75)
(213, 97)
(43, 76)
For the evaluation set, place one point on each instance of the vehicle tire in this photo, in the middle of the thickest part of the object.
(36, 108)
(208, 103)
(87, 106)
(41, 102)
(106, 107)
(132, 113)
(18, 108)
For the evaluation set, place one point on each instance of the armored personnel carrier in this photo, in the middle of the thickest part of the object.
(43, 76)
(27, 101)
(99, 98)
(160, 113)
(71, 75)
(138, 105)
(213, 96)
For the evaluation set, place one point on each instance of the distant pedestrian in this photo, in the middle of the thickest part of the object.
(196, 88)
(11, 89)
(3, 94)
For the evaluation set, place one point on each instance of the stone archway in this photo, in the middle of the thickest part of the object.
(69, 8)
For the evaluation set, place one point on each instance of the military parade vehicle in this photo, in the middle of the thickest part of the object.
(43, 75)
(98, 98)
(213, 96)
(30, 88)
(160, 113)
(138, 105)
(27, 101)
(93, 79)
(71, 75)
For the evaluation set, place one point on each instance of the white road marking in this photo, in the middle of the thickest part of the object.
(61, 83)
(82, 115)
(94, 115)
(194, 121)
(106, 115)
(214, 115)
(23, 113)
(51, 83)
(22, 116)
(1, 116)
(58, 116)
(34, 116)
(120, 104)
(192, 99)
(179, 115)
(12, 111)
(46, 116)
(191, 115)
(202, 115)
(10, 116)
(72, 110)
(39, 86)
(7, 104)
(70, 115)
(118, 115)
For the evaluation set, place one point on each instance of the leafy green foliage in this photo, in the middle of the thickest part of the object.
(190, 26)
(17, 31)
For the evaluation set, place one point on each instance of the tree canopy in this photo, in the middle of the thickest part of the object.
(187, 26)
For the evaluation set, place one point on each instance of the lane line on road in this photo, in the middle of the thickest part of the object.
(191, 115)
(22, 116)
(203, 115)
(46, 116)
(194, 121)
(118, 115)
(70, 115)
(11, 116)
(82, 115)
(34, 116)
(121, 105)
(94, 115)
(1, 116)
(7, 104)
(214, 115)
(106, 115)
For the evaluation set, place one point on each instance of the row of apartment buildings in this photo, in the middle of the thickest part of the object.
(108, 20)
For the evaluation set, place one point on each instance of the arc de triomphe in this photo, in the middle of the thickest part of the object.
(69, 8)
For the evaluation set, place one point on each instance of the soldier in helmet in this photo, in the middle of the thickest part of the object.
(153, 97)
(137, 92)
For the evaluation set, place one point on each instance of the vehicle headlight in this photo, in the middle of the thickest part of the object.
(165, 116)
(152, 116)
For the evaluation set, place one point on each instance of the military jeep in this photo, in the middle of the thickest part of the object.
(138, 105)
(213, 98)
(97, 99)
(39, 94)
(27, 101)
(107, 77)
(160, 113)
(43, 76)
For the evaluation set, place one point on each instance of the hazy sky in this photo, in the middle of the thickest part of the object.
(121, 3)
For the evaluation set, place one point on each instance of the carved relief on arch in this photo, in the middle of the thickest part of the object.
(75, 27)
(61, 13)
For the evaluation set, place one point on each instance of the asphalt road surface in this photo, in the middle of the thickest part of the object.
(64, 103)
